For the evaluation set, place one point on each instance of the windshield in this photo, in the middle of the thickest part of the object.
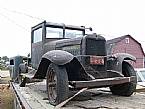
(52, 32)
(73, 33)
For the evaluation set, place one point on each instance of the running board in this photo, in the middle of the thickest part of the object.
(102, 82)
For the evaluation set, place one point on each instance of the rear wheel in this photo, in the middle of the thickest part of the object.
(57, 84)
(125, 89)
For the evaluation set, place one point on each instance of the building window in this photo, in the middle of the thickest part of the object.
(127, 40)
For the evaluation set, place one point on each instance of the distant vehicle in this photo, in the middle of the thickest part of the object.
(140, 76)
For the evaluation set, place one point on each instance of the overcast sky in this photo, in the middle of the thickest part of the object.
(111, 18)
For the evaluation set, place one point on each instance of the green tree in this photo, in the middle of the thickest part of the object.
(5, 58)
(3, 61)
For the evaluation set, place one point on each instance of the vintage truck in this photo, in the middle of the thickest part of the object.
(70, 59)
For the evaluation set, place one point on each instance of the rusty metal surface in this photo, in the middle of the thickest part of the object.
(115, 61)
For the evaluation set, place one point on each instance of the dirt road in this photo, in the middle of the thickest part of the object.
(4, 73)
(4, 77)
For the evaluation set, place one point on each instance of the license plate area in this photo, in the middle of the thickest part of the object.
(97, 60)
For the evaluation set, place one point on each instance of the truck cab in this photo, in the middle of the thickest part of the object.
(45, 35)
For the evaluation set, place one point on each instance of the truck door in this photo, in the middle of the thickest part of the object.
(36, 47)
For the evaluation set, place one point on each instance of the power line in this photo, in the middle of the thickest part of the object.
(21, 13)
(9, 19)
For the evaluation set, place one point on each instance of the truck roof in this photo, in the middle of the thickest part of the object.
(60, 25)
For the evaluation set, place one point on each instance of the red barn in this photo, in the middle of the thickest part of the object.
(127, 44)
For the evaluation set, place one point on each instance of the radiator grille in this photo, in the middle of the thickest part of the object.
(95, 47)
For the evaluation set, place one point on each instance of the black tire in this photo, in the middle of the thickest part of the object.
(58, 90)
(20, 77)
(125, 89)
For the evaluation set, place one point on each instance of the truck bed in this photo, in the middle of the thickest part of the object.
(34, 96)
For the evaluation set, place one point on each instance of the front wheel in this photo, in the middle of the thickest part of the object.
(125, 89)
(57, 84)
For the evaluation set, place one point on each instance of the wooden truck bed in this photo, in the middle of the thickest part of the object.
(34, 96)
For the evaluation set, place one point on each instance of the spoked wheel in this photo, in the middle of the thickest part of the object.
(125, 89)
(52, 85)
(57, 84)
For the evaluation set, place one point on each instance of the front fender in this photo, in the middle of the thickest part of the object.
(124, 56)
(115, 62)
(58, 57)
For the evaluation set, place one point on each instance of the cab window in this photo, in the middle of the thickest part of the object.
(37, 35)
(11, 62)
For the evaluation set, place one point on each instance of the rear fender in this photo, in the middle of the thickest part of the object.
(58, 57)
(114, 62)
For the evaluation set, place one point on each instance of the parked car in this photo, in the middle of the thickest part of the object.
(140, 76)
